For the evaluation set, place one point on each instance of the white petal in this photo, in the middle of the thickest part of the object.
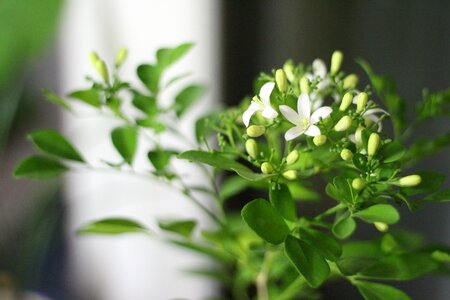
(312, 130)
(293, 133)
(265, 92)
(323, 84)
(304, 106)
(355, 99)
(322, 112)
(269, 112)
(319, 68)
(375, 111)
(254, 107)
(310, 76)
(317, 103)
(290, 114)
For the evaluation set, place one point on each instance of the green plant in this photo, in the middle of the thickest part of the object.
(282, 142)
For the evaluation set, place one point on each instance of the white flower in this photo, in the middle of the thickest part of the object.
(370, 115)
(303, 120)
(261, 104)
(319, 69)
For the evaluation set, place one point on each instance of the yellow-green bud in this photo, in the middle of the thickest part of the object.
(319, 140)
(336, 61)
(290, 175)
(252, 148)
(361, 102)
(350, 81)
(121, 56)
(93, 57)
(255, 130)
(281, 80)
(373, 144)
(288, 68)
(266, 168)
(383, 227)
(358, 135)
(304, 85)
(346, 154)
(409, 181)
(358, 183)
(346, 101)
(343, 124)
(102, 70)
(292, 157)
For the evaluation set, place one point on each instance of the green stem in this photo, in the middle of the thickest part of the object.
(291, 291)
(263, 276)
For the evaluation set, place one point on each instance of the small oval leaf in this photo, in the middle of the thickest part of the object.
(379, 213)
(52, 142)
(124, 140)
(281, 198)
(378, 291)
(112, 226)
(39, 167)
(344, 227)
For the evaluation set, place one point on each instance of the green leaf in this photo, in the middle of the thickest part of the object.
(360, 161)
(340, 190)
(358, 255)
(146, 104)
(52, 142)
(39, 167)
(168, 56)
(302, 193)
(232, 186)
(327, 245)
(265, 220)
(181, 227)
(392, 151)
(344, 227)
(378, 291)
(124, 140)
(441, 196)
(187, 97)
(203, 128)
(379, 213)
(152, 122)
(150, 76)
(308, 262)
(160, 158)
(112, 226)
(405, 266)
(90, 96)
(55, 99)
(281, 198)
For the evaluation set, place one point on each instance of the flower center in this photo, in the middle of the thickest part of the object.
(304, 122)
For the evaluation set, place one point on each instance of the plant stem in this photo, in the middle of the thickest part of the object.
(262, 277)
(292, 289)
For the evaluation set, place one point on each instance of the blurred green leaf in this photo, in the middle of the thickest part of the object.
(146, 104)
(187, 97)
(55, 99)
(160, 158)
(181, 227)
(52, 142)
(378, 291)
(282, 200)
(358, 255)
(441, 196)
(39, 167)
(124, 140)
(113, 226)
(392, 151)
(344, 227)
(150, 76)
(90, 97)
(379, 213)
(232, 186)
(152, 122)
(168, 56)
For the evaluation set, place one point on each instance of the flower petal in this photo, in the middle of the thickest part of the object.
(269, 112)
(322, 112)
(290, 114)
(319, 68)
(323, 84)
(293, 133)
(312, 130)
(265, 92)
(373, 111)
(254, 107)
(317, 102)
(304, 106)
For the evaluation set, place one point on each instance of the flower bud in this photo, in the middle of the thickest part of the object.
(288, 68)
(350, 81)
(102, 70)
(255, 130)
(281, 80)
(266, 168)
(346, 154)
(358, 184)
(343, 124)
(290, 175)
(358, 136)
(304, 85)
(319, 140)
(93, 57)
(346, 101)
(373, 144)
(121, 56)
(409, 181)
(361, 102)
(336, 61)
(383, 227)
(292, 157)
(252, 148)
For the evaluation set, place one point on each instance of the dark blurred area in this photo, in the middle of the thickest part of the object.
(408, 40)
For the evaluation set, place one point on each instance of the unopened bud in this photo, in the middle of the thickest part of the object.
(358, 184)
(290, 175)
(358, 135)
(350, 81)
(343, 124)
(336, 61)
(373, 144)
(346, 101)
(383, 227)
(346, 154)
(409, 181)
(121, 56)
(319, 140)
(281, 80)
(252, 148)
(102, 70)
(288, 68)
(93, 57)
(361, 102)
(304, 85)
(266, 168)
(255, 130)
(292, 157)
